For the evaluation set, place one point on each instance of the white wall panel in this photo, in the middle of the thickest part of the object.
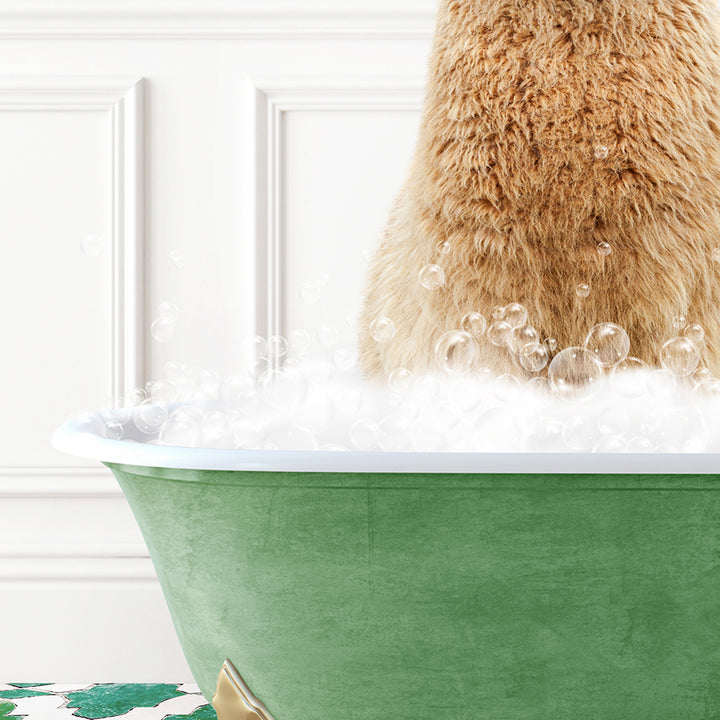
(329, 160)
(322, 141)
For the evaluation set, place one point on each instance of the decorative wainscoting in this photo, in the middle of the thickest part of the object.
(216, 128)
(268, 101)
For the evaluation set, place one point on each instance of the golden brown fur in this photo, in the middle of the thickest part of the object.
(520, 94)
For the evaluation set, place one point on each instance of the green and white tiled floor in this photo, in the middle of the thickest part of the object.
(51, 701)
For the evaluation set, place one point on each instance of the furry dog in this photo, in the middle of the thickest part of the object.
(563, 143)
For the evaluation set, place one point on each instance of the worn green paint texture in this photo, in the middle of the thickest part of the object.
(21, 693)
(204, 712)
(105, 700)
(511, 597)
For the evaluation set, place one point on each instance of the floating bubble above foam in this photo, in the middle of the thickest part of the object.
(609, 343)
(680, 356)
(432, 277)
(456, 352)
(382, 330)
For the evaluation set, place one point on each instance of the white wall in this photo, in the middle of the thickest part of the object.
(155, 151)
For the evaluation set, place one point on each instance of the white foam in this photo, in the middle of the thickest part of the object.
(315, 406)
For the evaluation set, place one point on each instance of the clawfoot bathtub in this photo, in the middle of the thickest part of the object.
(351, 586)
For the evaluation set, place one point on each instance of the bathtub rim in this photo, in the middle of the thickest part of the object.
(69, 439)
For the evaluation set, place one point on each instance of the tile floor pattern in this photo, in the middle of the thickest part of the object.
(134, 701)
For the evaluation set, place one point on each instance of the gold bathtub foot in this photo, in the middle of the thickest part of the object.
(233, 699)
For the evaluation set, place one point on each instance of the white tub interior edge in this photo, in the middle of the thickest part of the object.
(69, 439)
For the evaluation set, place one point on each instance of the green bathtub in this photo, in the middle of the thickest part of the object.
(587, 588)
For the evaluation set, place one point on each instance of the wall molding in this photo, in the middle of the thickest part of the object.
(26, 567)
(199, 19)
(267, 102)
(57, 483)
(122, 101)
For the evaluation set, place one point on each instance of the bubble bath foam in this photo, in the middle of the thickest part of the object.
(563, 587)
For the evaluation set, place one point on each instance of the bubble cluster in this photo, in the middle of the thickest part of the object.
(305, 392)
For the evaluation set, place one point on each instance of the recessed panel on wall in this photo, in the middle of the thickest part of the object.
(55, 224)
(328, 159)
(343, 170)
(70, 224)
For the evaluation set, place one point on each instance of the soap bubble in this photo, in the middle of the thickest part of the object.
(382, 329)
(534, 360)
(86, 422)
(168, 310)
(679, 322)
(506, 388)
(92, 245)
(601, 152)
(609, 343)
(573, 369)
(215, 430)
(183, 428)
(432, 277)
(582, 290)
(163, 391)
(500, 333)
(474, 324)
(444, 248)
(456, 352)
(116, 410)
(515, 315)
(702, 376)
(150, 417)
(604, 249)
(629, 380)
(538, 385)
(400, 380)
(680, 356)
(163, 329)
(258, 347)
(137, 396)
(208, 385)
(551, 344)
(695, 334)
(177, 259)
(239, 392)
(525, 339)
(498, 312)
(114, 430)
(310, 292)
(277, 346)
